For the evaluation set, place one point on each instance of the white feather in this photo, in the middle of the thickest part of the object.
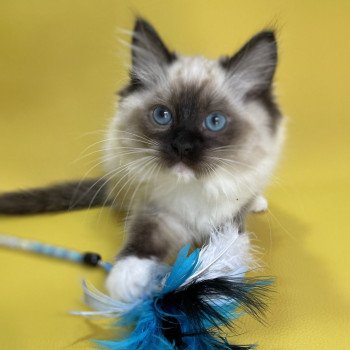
(228, 254)
(104, 305)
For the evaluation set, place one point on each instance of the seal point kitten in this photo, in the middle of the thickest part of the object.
(191, 148)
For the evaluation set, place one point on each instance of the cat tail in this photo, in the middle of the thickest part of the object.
(65, 196)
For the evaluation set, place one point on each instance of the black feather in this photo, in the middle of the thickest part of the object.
(199, 306)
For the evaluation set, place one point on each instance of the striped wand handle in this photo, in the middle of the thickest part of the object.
(87, 258)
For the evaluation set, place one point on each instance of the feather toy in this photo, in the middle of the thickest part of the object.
(204, 292)
(191, 302)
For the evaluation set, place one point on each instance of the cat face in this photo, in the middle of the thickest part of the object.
(190, 116)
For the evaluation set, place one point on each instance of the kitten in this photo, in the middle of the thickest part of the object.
(192, 146)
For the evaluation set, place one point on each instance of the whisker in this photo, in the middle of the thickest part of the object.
(143, 137)
(146, 142)
(142, 140)
(150, 161)
(231, 161)
(141, 160)
(94, 132)
(283, 228)
(116, 196)
(96, 182)
(132, 150)
(116, 185)
(135, 190)
(132, 180)
(230, 148)
(131, 201)
(274, 179)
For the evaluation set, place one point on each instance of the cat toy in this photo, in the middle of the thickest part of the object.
(87, 258)
(188, 304)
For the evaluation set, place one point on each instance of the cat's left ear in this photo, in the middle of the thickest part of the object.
(150, 56)
(251, 70)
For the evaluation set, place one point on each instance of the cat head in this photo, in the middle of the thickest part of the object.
(189, 116)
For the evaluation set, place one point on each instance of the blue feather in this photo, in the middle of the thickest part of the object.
(189, 316)
(184, 266)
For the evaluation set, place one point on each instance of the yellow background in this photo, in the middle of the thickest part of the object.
(60, 65)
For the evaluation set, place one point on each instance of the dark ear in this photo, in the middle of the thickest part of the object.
(147, 42)
(150, 56)
(252, 68)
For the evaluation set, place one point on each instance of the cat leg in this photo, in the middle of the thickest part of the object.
(152, 236)
(259, 204)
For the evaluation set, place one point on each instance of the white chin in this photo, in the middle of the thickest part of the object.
(183, 172)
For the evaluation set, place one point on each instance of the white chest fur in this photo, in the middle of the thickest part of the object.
(202, 205)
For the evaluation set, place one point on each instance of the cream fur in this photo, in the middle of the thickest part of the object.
(191, 206)
(207, 201)
(130, 277)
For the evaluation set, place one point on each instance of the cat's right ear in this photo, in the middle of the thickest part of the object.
(150, 56)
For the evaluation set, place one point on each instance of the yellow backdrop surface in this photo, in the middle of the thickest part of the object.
(60, 65)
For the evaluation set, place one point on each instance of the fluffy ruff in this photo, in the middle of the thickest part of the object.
(192, 301)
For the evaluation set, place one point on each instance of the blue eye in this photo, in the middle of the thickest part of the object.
(215, 122)
(162, 116)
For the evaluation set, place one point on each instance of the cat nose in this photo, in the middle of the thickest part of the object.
(181, 148)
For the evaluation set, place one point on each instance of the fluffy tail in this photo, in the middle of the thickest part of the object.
(58, 197)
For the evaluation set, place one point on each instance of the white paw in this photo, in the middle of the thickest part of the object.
(132, 278)
(259, 205)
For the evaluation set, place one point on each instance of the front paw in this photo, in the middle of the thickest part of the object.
(132, 278)
(259, 205)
